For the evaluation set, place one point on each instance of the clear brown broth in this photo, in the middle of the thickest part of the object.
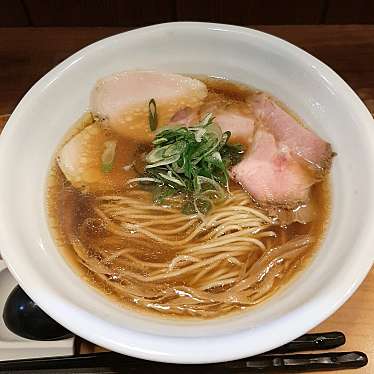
(68, 208)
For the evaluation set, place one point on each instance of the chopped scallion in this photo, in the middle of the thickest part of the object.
(152, 115)
(192, 160)
(107, 157)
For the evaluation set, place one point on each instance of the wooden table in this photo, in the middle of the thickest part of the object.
(28, 53)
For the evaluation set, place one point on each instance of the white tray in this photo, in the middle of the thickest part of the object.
(14, 347)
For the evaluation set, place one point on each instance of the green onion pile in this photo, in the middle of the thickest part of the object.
(191, 160)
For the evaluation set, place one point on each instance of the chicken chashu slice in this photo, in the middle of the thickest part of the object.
(122, 100)
(81, 160)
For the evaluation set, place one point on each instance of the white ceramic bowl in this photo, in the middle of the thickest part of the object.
(305, 84)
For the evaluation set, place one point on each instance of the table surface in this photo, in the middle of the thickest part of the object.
(28, 53)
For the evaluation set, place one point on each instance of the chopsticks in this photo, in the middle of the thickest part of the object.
(279, 360)
(115, 363)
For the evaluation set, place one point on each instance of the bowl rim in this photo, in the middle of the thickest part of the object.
(236, 346)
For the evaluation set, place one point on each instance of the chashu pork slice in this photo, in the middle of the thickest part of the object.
(302, 142)
(241, 126)
(271, 174)
(230, 115)
(122, 100)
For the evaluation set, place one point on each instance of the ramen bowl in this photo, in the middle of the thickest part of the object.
(310, 88)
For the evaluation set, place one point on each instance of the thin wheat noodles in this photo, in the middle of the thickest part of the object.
(208, 266)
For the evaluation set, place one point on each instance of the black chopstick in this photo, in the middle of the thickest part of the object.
(300, 362)
(266, 363)
(313, 342)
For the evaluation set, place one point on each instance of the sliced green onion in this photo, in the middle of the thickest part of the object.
(192, 160)
(152, 115)
(143, 179)
(107, 158)
(207, 120)
(159, 141)
(202, 205)
(201, 180)
(169, 177)
(199, 134)
(217, 156)
(165, 161)
(156, 155)
(176, 168)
